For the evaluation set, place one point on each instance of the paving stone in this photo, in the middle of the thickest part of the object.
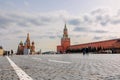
(6, 71)
(92, 67)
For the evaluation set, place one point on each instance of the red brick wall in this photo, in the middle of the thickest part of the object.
(103, 44)
(65, 44)
(59, 48)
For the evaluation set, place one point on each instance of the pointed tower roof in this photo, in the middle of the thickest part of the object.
(65, 33)
(65, 28)
(28, 37)
(28, 41)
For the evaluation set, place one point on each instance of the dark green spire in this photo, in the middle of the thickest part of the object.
(21, 43)
(65, 27)
(65, 33)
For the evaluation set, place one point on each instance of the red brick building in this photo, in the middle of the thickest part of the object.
(65, 41)
(108, 44)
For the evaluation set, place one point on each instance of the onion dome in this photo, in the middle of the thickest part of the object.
(33, 42)
(21, 43)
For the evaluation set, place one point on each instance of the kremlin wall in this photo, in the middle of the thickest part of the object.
(113, 45)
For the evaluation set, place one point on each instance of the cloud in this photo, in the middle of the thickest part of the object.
(22, 37)
(9, 3)
(103, 20)
(24, 19)
(30, 21)
(81, 29)
(26, 3)
(87, 19)
(52, 37)
(100, 17)
(16, 31)
(97, 38)
(118, 12)
(1, 34)
(74, 22)
(115, 21)
(100, 31)
(4, 21)
(98, 11)
(86, 29)
(96, 17)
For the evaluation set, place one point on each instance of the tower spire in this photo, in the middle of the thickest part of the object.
(65, 26)
(65, 41)
(65, 32)
(28, 41)
(28, 37)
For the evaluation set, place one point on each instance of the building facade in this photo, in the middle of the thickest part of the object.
(65, 41)
(101, 45)
(27, 47)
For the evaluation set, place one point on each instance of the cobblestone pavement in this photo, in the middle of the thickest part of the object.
(66, 66)
(6, 71)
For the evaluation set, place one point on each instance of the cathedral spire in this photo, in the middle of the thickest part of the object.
(28, 37)
(28, 41)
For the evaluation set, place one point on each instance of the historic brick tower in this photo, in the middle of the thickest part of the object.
(65, 41)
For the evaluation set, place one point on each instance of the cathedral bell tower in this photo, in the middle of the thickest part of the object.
(65, 40)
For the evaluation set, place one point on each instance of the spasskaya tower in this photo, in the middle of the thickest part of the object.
(65, 41)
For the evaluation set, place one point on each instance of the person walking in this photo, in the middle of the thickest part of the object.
(11, 52)
(84, 51)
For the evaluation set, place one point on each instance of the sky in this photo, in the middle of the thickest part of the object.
(86, 20)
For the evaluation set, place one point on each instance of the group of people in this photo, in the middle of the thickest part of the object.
(8, 53)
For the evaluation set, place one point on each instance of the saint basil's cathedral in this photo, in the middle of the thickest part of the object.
(26, 47)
